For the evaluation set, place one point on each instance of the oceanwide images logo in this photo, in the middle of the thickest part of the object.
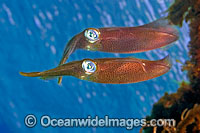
(128, 123)
(46, 121)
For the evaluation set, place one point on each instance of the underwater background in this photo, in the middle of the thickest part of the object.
(33, 35)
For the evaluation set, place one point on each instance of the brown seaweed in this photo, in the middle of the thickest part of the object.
(175, 106)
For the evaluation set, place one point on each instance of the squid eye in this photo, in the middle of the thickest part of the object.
(89, 66)
(92, 35)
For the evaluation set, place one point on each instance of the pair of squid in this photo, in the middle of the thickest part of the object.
(116, 40)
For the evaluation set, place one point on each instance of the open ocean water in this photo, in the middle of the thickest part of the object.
(33, 34)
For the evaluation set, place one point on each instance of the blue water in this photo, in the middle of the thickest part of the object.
(33, 35)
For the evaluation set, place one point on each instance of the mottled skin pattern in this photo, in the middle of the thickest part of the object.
(111, 70)
(133, 40)
(130, 39)
(130, 70)
(125, 39)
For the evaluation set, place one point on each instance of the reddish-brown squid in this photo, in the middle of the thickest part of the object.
(109, 70)
(123, 39)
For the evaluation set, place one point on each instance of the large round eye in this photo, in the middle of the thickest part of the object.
(92, 34)
(89, 66)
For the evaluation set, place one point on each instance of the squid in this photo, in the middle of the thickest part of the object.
(109, 70)
(143, 38)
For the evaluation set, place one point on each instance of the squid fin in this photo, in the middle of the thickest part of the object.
(166, 61)
(165, 48)
(163, 25)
